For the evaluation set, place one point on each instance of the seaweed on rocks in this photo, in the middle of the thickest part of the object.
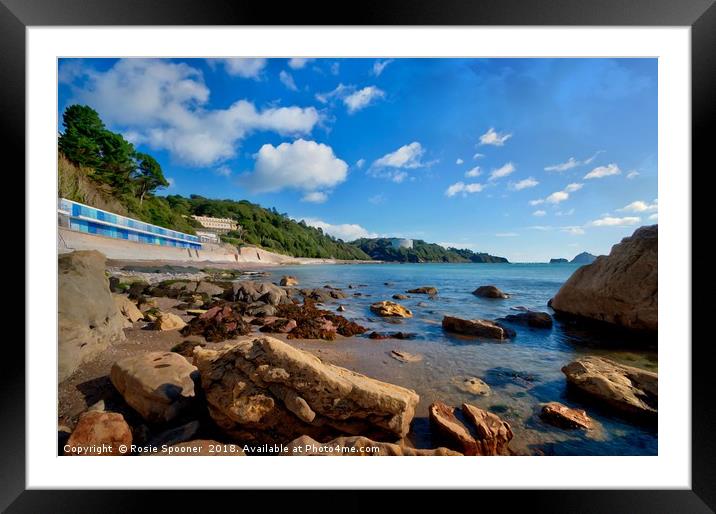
(222, 321)
(314, 323)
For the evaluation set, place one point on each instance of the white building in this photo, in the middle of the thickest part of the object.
(396, 243)
(217, 225)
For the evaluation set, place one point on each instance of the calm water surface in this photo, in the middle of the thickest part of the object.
(522, 373)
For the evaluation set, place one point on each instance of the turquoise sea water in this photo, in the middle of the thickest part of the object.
(522, 373)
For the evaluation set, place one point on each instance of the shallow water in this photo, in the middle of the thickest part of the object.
(522, 373)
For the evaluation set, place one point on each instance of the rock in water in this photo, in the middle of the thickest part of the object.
(489, 292)
(357, 446)
(630, 390)
(266, 390)
(620, 288)
(477, 327)
(390, 309)
(89, 319)
(424, 290)
(95, 429)
(158, 385)
(532, 319)
(443, 419)
(562, 416)
(288, 280)
(472, 385)
(493, 434)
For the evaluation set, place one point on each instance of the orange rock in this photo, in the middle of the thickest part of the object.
(100, 433)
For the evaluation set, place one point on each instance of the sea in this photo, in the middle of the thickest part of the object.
(523, 373)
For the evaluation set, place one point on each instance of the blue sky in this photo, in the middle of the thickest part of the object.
(524, 158)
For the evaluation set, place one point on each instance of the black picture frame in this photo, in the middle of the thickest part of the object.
(700, 15)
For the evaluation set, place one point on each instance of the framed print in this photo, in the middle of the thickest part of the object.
(431, 237)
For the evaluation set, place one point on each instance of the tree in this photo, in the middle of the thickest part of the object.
(148, 175)
(83, 130)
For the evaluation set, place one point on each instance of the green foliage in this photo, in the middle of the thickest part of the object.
(381, 249)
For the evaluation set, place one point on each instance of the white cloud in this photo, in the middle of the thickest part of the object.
(565, 213)
(557, 197)
(172, 183)
(523, 184)
(247, 68)
(494, 138)
(575, 231)
(459, 161)
(379, 66)
(568, 165)
(654, 217)
(287, 80)
(474, 172)
(360, 163)
(503, 171)
(507, 234)
(478, 156)
(339, 92)
(163, 104)
(632, 174)
(346, 231)
(603, 171)
(298, 62)
(640, 206)
(464, 189)
(315, 197)
(399, 176)
(362, 98)
(539, 201)
(539, 213)
(407, 156)
(305, 165)
(571, 188)
(224, 171)
(609, 221)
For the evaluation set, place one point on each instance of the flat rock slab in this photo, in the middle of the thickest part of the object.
(476, 327)
(158, 385)
(472, 385)
(405, 357)
(562, 416)
(390, 309)
(631, 391)
(263, 389)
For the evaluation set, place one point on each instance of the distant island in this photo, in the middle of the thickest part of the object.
(416, 250)
(558, 261)
(584, 258)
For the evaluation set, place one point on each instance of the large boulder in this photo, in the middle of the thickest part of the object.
(490, 435)
(128, 308)
(357, 446)
(388, 309)
(158, 385)
(89, 319)
(264, 389)
(630, 390)
(621, 288)
(100, 433)
(477, 327)
(249, 291)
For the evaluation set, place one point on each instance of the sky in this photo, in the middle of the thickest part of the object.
(523, 158)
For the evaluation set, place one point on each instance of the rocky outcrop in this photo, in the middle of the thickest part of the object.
(250, 292)
(158, 385)
(562, 416)
(631, 391)
(389, 309)
(264, 389)
(490, 292)
(532, 319)
(288, 280)
(357, 446)
(219, 323)
(584, 258)
(314, 323)
(620, 288)
(323, 294)
(128, 308)
(491, 435)
(424, 290)
(100, 433)
(477, 327)
(88, 318)
(168, 321)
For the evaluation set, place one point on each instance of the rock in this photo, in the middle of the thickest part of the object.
(392, 335)
(584, 258)
(323, 295)
(562, 416)
(472, 385)
(424, 290)
(356, 446)
(390, 309)
(632, 391)
(405, 357)
(128, 309)
(400, 296)
(621, 288)
(186, 348)
(137, 289)
(477, 327)
(209, 289)
(264, 389)
(158, 385)
(532, 319)
(489, 292)
(260, 310)
(249, 292)
(279, 325)
(221, 322)
(98, 406)
(99, 433)
(443, 420)
(288, 280)
(493, 434)
(88, 317)
(314, 323)
(341, 308)
(168, 321)
(203, 448)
